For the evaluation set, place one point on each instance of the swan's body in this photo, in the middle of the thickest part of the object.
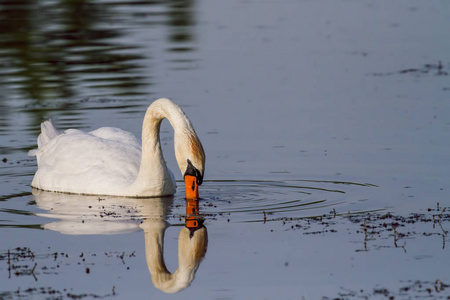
(111, 161)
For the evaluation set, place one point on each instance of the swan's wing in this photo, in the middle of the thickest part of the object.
(104, 160)
(116, 134)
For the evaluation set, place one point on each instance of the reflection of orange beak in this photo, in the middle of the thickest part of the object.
(192, 213)
(191, 187)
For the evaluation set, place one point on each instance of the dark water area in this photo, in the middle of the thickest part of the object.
(327, 135)
(64, 49)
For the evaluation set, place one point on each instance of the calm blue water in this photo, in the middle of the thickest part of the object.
(306, 110)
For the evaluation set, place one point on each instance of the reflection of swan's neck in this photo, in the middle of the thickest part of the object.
(190, 252)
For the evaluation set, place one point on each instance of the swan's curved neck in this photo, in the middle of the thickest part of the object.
(159, 110)
(153, 171)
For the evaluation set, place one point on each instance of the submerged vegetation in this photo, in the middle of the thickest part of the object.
(377, 231)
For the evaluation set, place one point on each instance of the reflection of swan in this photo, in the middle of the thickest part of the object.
(192, 246)
(80, 215)
(110, 161)
(98, 215)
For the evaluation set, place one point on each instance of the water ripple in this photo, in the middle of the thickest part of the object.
(259, 200)
(222, 200)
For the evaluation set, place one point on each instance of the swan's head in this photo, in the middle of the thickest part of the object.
(191, 160)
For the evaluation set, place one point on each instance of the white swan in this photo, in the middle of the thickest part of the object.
(110, 161)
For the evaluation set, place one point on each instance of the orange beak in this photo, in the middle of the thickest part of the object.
(191, 185)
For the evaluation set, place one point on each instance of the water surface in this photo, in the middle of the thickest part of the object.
(326, 131)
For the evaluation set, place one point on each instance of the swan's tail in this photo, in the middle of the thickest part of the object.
(48, 132)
